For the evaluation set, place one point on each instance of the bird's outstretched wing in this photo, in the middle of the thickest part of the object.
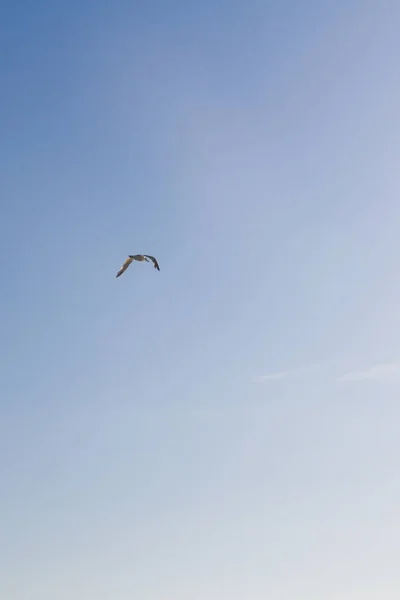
(153, 260)
(125, 266)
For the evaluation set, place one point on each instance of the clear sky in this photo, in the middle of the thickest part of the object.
(228, 427)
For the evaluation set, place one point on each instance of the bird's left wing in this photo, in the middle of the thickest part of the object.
(153, 260)
(124, 266)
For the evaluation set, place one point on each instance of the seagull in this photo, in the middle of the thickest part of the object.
(139, 258)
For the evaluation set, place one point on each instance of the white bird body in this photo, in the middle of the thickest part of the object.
(139, 258)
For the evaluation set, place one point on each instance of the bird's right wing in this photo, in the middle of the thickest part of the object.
(124, 266)
(153, 260)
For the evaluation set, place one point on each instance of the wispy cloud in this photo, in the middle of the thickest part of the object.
(383, 371)
(272, 376)
(286, 374)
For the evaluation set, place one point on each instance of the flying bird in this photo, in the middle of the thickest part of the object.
(139, 258)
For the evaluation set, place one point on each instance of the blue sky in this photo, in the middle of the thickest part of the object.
(228, 427)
